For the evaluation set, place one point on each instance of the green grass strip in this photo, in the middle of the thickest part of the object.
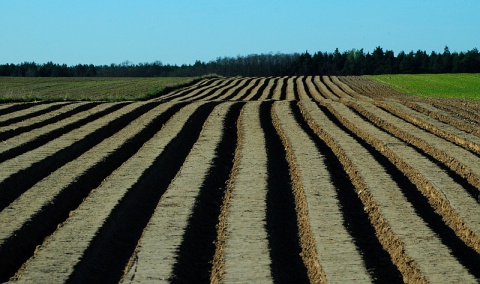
(462, 86)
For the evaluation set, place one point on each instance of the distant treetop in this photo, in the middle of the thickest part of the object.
(352, 62)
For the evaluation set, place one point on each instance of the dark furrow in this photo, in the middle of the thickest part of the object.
(224, 91)
(196, 251)
(317, 88)
(336, 88)
(30, 115)
(344, 87)
(206, 82)
(240, 87)
(307, 90)
(270, 93)
(262, 88)
(177, 94)
(108, 253)
(14, 132)
(422, 125)
(19, 106)
(309, 254)
(286, 263)
(201, 83)
(283, 92)
(295, 90)
(249, 90)
(231, 85)
(211, 91)
(453, 109)
(355, 219)
(47, 137)
(466, 255)
(469, 188)
(16, 184)
(186, 91)
(328, 87)
(16, 250)
(438, 116)
(389, 240)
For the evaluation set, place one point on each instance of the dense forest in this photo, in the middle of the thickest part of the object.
(353, 62)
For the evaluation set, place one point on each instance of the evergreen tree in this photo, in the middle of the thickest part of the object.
(353, 62)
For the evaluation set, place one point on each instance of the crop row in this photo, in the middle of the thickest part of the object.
(286, 179)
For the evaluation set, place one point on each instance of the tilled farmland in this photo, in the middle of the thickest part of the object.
(278, 179)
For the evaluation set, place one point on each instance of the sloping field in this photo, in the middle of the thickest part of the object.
(291, 179)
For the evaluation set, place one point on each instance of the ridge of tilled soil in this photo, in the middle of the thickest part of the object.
(278, 179)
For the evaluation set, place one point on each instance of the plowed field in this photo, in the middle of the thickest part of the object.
(290, 179)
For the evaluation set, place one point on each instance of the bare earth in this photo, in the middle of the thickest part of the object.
(243, 180)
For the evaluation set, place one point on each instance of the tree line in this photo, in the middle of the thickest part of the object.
(352, 62)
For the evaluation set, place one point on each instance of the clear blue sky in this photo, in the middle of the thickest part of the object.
(182, 31)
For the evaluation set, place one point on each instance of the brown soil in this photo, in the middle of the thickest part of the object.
(342, 179)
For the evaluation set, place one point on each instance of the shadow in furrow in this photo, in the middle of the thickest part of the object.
(463, 182)
(249, 90)
(14, 132)
(211, 91)
(283, 92)
(237, 90)
(16, 184)
(283, 234)
(224, 91)
(469, 188)
(328, 88)
(185, 92)
(109, 251)
(466, 255)
(16, 250)
(272, 89)
(20, 106)
(317, 89)
(49, 136)
(198, 245)
(432, 132)
(377, 261)
(295, 90)
(305, 87)
(30, 115)
(262, 88)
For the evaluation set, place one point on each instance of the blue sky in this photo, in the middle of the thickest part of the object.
(182, 31)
